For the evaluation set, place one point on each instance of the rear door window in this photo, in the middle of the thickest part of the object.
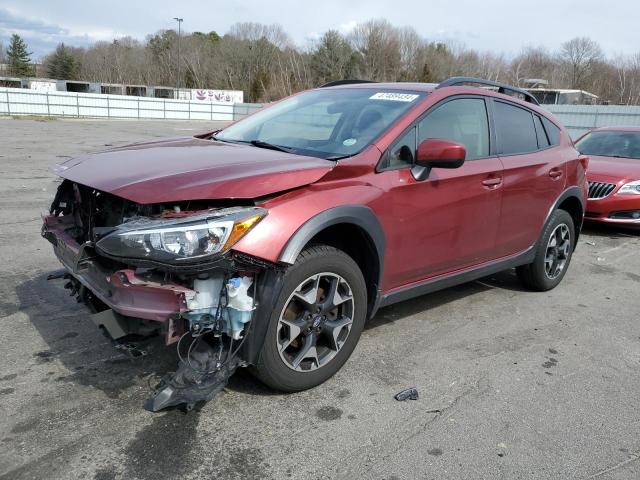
(515, 129)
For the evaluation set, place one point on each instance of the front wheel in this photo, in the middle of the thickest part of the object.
(553, 254)
(316, 321)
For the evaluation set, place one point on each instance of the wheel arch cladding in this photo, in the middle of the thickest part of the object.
(571, 202)
(354, 229)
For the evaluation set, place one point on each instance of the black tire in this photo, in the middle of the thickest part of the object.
(271, 367)
(535, 275)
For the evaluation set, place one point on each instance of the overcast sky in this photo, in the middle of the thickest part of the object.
(493, 25)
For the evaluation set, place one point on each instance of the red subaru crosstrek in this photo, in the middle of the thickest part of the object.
(271, 242)
(614, 175)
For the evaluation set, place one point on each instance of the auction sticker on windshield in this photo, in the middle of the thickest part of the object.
(395, 97)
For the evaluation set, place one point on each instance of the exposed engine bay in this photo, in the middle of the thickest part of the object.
(166, 270)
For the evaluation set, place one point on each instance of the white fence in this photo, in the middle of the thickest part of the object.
(16, 101)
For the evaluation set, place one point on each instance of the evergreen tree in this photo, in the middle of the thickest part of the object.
(212, 36)
(334, 59)
(61, 64)
(18, 57)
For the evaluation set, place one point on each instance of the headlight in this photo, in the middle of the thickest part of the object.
(631, 188)
(182, 239)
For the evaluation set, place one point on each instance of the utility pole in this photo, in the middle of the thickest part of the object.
(179, 20)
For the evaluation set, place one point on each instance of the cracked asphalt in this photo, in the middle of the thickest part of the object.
(513, 384)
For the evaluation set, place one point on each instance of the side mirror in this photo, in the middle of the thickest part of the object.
(438, 153)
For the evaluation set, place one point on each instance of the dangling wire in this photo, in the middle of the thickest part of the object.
(196, 340)
(223, 293)
(178, 346)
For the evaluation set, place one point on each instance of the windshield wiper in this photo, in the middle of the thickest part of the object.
(339, 157)
(214, 138)
(272, 146)
(255, 143)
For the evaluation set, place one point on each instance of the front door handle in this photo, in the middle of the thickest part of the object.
(492, 182)
(555, 173)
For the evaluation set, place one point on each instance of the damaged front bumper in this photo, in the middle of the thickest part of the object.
(131, 294)
(207, 312)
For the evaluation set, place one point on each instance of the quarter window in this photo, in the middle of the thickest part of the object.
(463, 120)
(516, 132)
(553, 132)
(543, 141)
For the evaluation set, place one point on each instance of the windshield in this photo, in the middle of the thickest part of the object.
(326, 123)
(610, 144)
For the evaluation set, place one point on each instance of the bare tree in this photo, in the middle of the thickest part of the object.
(254, 32)
(622, 76)
(634, 81)
(533, 63)
(411, 54)
(378, 43)
(580, 55)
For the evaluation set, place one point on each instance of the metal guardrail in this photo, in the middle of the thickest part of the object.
(579, 119)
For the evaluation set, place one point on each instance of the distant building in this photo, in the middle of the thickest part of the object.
(535, 83)
(562, 96)
(539, 88)
(79, 86)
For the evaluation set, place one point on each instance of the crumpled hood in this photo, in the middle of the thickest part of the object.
(613, 169)
(189, 168)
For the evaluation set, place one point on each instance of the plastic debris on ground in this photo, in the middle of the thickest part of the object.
(408, 394)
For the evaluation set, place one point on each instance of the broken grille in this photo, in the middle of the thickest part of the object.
(600, 189)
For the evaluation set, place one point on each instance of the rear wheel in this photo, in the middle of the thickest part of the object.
(553, 254)
(316, 321)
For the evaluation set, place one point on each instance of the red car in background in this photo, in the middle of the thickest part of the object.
(613, 174)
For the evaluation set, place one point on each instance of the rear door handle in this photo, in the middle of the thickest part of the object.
(555, 173)
(492, 182)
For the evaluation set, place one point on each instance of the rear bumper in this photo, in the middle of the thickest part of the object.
(121, 290)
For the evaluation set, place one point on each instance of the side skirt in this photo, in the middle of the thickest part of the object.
(453, 279)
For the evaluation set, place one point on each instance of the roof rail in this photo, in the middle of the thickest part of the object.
(502, 87)
(335, 83)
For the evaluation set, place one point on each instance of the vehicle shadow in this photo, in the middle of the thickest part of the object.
(245, 383)
(92, 360)
(610, 231)
(73, 339)
(423, 304)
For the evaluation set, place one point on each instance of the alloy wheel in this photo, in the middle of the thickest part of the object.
(558, 250)
(315, 322)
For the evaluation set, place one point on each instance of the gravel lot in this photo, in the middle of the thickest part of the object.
(513, 384)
